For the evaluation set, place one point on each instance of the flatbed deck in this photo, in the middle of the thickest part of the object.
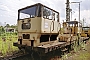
(51, 46)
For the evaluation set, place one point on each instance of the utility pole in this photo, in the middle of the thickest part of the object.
(79, 20)
(71, 14)
(79, 9)
(84, 19)
(79, 13)
(67, 10)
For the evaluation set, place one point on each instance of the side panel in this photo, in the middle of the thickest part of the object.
(46, 25)
(56, 27)
(49, 26)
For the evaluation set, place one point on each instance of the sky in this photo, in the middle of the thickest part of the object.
(9, 9)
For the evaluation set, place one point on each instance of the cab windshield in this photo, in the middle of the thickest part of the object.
(27, 13)
(30, 12)
(86, 28)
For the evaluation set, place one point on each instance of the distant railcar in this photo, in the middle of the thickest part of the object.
(85, 31)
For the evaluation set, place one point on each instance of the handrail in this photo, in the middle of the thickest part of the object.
(58, 26)
(51, 25)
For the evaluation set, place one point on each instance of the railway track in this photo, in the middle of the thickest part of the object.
(14, 55)
(22, 55)
(26, 56)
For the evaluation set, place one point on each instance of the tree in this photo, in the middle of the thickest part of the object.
(2, 30)
(7, 25)
(13, 26)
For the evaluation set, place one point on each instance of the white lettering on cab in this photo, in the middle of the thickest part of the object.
(46, 25)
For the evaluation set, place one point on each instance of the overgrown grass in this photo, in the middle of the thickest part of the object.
(81, 52)
(6, 43)
(84, 55)
(76, 49)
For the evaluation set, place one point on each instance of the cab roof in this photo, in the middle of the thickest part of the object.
(72, 22)
(36, 5)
